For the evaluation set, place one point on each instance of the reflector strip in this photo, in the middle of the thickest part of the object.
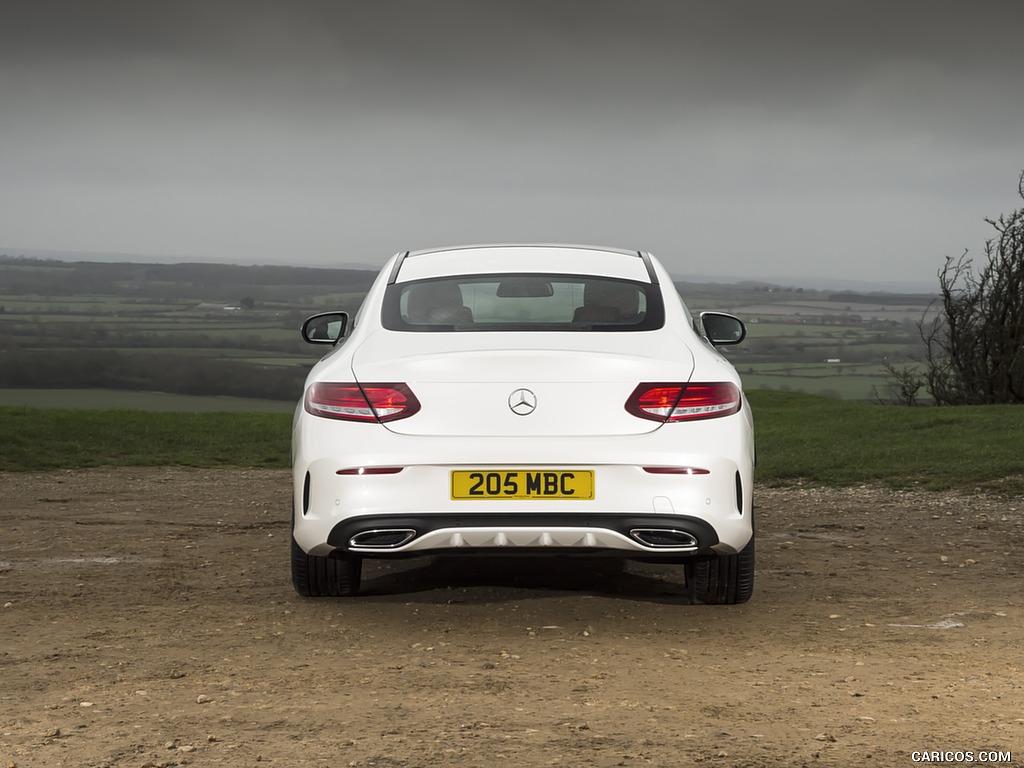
(677, 471)
(370, 471)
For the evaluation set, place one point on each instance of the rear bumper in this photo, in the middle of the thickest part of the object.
(393, 535)
(714, 508)
(631, 509)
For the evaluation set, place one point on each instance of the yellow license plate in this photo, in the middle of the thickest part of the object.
(523, 484)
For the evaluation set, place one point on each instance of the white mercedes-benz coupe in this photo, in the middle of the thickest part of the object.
(536, 400)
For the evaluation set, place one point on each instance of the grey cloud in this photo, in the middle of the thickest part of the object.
(215, 127)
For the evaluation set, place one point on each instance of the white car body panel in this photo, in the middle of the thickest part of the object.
(463, 382)
(572, 374)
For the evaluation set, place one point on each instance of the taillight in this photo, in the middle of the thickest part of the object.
(684, 402)
(360, 402)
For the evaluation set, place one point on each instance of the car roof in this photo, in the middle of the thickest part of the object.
(543, 258)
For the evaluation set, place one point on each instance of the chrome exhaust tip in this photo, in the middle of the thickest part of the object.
(382, 538)
(664, 538)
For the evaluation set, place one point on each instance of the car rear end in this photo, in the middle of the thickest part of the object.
(554, 401)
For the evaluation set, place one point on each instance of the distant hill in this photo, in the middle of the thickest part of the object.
(200, 281)
(915, 287)
(778, 281)
(883, 298)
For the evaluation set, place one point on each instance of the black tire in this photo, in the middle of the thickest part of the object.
(316, 576)
(722, 579)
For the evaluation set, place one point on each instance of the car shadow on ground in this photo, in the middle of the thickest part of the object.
(444, 579)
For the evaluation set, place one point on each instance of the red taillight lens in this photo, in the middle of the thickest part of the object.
(366, 402)
(391, 401)
(654, 402)
(684, 402)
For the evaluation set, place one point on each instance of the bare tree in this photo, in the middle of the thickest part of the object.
(902, 386)
(975, 346)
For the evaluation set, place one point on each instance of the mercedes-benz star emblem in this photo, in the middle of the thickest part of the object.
(522, 402)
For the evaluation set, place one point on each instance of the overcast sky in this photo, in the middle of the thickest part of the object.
(807, 138)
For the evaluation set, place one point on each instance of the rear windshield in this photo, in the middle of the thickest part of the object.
(522, 302)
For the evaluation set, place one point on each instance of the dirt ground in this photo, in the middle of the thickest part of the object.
(148, 620)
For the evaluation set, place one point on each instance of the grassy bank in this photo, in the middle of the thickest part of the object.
(105, 399)
(800, 438)
(33, 439)
(840, 443)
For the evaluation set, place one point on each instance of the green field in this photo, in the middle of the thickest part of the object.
(848, 382)
(106, 399)
(834, 442)
(800, 439)
(216, 329)
(38, 439)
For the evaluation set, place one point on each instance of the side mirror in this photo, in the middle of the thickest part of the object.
(325, 328)
(721, 329)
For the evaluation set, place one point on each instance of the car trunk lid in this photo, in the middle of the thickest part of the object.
(496, 384)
